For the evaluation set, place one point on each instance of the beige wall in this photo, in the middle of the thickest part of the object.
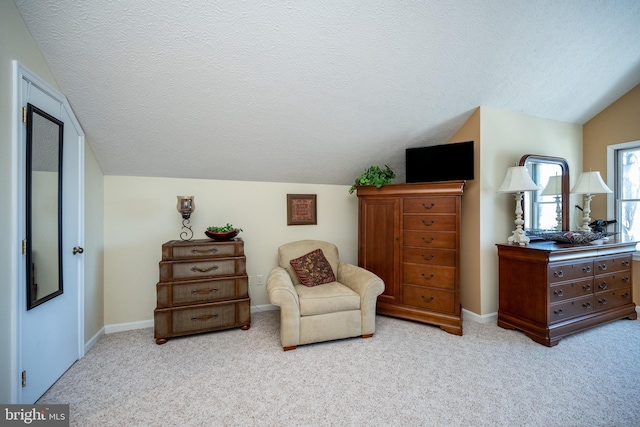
(618, 123)
(140, 215)
(470, 285)
(504, 137)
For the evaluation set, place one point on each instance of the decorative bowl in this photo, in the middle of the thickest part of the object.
(572, 237)
(226, 235)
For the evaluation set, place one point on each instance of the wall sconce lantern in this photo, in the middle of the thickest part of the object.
(186, 206)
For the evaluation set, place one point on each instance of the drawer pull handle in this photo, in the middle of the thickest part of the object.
(204, 270)
(625, 263)
(427, 258)
(625, 279)
(558, 312)
(428, 207)
(587, 305)
(203, 291)
(602, 267)
(602, 301)
(603, 285)
(428, 224)
(587, 269)
(626, 295)
(201, 251)
(558, 293)
(559, 273)
(427, 299)
(586, 287)
(431, 276)
(428, 241)
(205, 317)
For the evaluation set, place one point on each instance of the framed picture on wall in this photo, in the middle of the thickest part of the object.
(302, 209)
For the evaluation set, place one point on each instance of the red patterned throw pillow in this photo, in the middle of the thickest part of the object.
(313, 268)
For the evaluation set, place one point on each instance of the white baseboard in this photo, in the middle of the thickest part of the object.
(480, 318)
(93, 340)
(122, 327)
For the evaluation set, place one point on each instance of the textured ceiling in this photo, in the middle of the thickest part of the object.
(292, 91)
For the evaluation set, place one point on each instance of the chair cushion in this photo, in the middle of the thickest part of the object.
(313, 268)
(326, 298)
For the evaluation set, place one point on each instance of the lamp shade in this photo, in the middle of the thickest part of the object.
(553, 187)
(517, 180)
(590, 183)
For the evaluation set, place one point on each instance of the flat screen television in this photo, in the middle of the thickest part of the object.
(446, 162)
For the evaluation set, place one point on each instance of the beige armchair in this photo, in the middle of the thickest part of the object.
(339, 309)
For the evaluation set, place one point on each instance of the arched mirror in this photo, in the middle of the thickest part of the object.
(43, 206)
(548, 208)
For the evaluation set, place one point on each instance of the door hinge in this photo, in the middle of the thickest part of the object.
(24, 378)
(24, 114)
(24, 246)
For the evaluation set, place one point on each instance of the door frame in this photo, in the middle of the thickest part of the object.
(21, 73)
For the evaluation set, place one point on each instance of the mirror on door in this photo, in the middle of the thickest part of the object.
(548, 208)
(43, 206)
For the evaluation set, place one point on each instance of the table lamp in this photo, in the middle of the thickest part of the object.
(518, 181)
(589, 183)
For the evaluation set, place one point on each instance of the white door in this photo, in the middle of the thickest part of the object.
(50, 335)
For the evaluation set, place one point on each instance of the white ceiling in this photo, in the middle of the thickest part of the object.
(305, 91)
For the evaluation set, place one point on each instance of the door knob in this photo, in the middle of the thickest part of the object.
(77, 250)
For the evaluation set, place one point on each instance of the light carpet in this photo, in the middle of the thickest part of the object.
(408, 374)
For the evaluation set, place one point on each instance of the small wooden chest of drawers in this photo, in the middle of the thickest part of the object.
(203, 287)
(550, 290)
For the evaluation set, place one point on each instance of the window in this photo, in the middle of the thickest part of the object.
(626, 164)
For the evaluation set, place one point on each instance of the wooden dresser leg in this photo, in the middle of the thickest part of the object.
(291, 347)
(161, 341)
(245, 327)
(367, 335)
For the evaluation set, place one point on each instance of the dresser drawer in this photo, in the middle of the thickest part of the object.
(202, 248)
(559, 272)
(429, 256)
(429, 205)
(188, 269)
(430, 299)
(611, 264)
(431, 276)
(615, 298)
(430, 239)
(430, 222)
(202, 318)
(171, 294)
(571, 308)
(567, 290)
(621, 279)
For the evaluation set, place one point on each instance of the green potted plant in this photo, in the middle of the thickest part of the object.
(374, 175)
(226, 232)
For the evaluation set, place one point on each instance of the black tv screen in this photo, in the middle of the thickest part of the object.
(446, 162)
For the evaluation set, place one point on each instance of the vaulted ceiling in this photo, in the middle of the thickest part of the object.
(305, 91)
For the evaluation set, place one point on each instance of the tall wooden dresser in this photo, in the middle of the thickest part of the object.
(550, 290)
(409, 235)
(203, 287)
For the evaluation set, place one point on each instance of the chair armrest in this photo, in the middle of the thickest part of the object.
(369, 286)
(362, 281)
(281, 291)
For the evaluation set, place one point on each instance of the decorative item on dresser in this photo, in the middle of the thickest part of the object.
(203, 287)
(409, 235)
(589, 183)
(518, 181)
(550, 290)
(186, 206)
